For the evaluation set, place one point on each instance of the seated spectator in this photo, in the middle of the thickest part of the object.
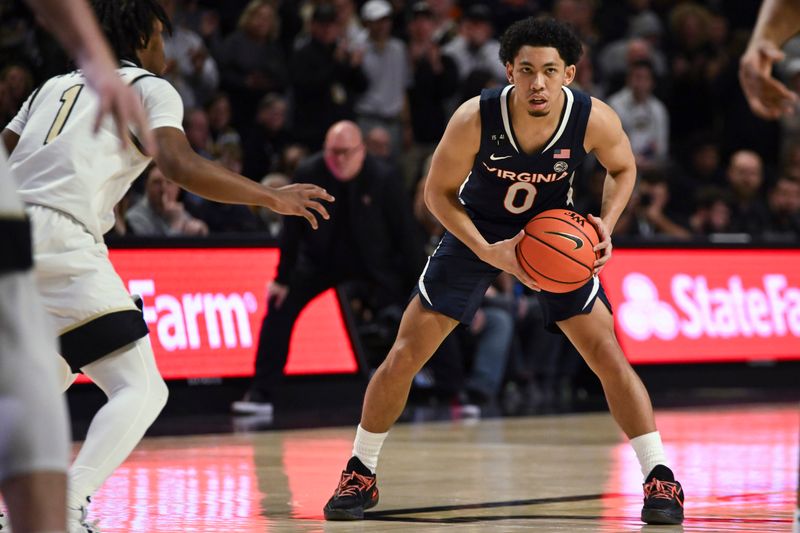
(224, 218)
(646, 214)
(701, 167)
(644, 117)
(16, 83)
(219, 123)
(292, 156)
(615, 58)
(267, 137)
(586, 79)
(198, 132)
(379, 145)
(713, 212)
(252, 61)
(784, 209)
(159, 213)
(190, 67)
(490, 334)
(790, 166)
(745, 180)
(121, 228)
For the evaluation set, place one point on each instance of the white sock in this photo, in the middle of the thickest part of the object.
(649, 451)
(367, 447)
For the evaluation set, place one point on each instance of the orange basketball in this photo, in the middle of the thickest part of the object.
(558, 250)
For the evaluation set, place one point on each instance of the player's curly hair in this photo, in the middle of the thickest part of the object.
(127, 24)
(540, 32)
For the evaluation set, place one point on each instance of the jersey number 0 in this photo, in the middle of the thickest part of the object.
(68, 99)
(519, 197)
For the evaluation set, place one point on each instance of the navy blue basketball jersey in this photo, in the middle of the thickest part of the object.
(508, 187)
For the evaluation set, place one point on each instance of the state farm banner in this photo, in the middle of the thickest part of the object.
(693, 306)
(204, 308)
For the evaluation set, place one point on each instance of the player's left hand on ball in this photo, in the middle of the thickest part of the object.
(302, 199)
(604, 246)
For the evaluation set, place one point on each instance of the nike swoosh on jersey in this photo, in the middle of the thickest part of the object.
(496, 158)
(577, 240)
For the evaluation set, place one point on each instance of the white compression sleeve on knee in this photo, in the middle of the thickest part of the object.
(136, 394)
(33, 414)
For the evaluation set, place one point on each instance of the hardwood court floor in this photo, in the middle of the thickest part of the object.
(568, 473)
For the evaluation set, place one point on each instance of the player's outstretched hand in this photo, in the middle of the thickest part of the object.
(124, 105)
(503, 255)
(768, 98)
(301, 199)
(604, 246)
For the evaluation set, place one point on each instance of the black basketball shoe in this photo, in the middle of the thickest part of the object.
(356, 492)
(663, 498)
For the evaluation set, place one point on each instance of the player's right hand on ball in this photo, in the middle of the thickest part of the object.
(301, 199)
(503, 255)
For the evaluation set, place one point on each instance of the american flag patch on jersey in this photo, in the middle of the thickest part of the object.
(561, 153)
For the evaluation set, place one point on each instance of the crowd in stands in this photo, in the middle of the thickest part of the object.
(263, 80)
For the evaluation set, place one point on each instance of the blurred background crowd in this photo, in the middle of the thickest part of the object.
(262, 81)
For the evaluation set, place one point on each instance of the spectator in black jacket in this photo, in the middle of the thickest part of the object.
(371, 237)
(326, 78)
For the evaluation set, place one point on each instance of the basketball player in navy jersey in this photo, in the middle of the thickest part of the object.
(505, 157)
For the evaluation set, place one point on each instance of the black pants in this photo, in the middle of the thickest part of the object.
(276, 330)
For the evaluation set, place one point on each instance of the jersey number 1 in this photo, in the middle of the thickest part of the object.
(68, 99)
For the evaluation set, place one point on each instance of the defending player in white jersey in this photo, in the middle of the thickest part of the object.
(70, 178)
(34, 433)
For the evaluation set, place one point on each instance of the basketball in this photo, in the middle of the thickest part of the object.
(558, 250)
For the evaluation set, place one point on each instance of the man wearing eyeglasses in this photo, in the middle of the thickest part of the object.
(371, 237)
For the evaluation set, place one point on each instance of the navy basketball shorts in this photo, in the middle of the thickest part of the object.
(455, 280)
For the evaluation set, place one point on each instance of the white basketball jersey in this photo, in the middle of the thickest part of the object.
(10, 206)
(62, 164)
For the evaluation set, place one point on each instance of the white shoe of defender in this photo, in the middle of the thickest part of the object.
(76, 521)
(83, 527)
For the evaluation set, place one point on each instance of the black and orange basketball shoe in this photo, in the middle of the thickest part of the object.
(357, 491)
(663, 498)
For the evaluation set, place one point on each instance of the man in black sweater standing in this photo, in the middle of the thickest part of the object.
(326, 78)
(371, 236)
